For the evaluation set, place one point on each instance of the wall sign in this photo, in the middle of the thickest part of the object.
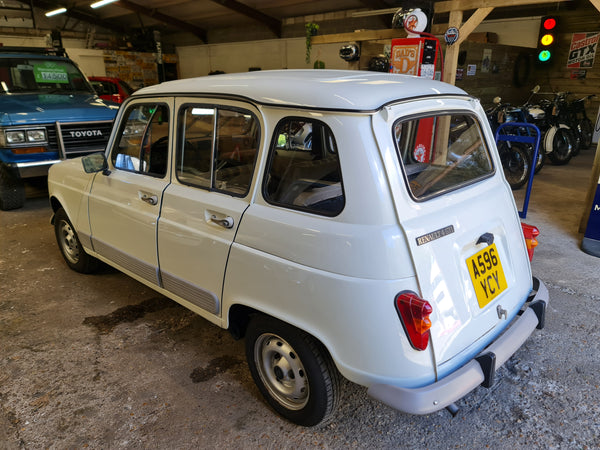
(583, 50)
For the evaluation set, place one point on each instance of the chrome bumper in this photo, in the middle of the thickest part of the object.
(479, 371)
(35, 168)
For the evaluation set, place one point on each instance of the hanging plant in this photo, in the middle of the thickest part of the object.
(311, 30)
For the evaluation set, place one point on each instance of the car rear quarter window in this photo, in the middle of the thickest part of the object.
(304, 168)
(143, 142)
(218, 148)
(441, 153)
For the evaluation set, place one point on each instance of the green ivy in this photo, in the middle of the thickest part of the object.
(311, 30)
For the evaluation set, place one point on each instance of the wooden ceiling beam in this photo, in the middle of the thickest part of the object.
(78, 14)
(169, 20)
(468, 5)
(272, 23)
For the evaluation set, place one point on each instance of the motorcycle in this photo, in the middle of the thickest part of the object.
(558, 141)
(581, 121)
(514, 156)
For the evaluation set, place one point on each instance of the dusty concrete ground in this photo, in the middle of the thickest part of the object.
(101, 361)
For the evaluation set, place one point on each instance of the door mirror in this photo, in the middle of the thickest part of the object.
(96, 162)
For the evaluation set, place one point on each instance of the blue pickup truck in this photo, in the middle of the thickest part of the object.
(48, 112)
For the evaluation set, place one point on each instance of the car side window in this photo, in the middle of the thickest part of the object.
(218, 148)
(304, 168)
(143, 140)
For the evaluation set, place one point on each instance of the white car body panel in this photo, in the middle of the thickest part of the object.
(335, 277)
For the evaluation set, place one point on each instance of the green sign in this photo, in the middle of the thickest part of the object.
(50, 73)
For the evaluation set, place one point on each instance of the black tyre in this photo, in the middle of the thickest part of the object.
(70, 247)
(541, 160)
(577, 142)
(12, 191)
(292, 370)
(562, 147)
(516, 163)
(586, 130)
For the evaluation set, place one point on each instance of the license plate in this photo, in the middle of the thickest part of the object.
(487, 274)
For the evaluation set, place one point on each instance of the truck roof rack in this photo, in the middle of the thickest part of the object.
(37, 50)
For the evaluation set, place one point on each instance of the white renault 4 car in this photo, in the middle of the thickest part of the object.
(345, 223)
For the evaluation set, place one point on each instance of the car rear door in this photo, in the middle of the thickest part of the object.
(213, 174)
(125, 202)
(459, 219)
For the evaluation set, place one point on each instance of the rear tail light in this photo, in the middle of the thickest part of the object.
(531, 233)
(414, 313)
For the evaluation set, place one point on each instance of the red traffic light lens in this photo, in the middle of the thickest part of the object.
(549, 23)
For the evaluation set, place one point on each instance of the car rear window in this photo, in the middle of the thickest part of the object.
(441, 153)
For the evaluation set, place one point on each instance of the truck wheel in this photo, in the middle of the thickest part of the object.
(12, 191)
(70, 247)
(292, 370)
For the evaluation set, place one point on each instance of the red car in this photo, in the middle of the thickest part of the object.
(111, 89)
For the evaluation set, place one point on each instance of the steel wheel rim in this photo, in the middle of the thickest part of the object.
(68, 241)
(281, 371)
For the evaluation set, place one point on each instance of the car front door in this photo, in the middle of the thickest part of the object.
(125, 201)
(211, 187)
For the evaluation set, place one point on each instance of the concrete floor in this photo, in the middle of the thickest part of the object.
(101, 361)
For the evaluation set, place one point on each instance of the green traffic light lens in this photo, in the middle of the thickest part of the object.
(544, 55)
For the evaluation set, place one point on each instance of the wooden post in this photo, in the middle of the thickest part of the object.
(451, 57)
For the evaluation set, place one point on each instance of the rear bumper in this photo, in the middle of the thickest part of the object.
(479, 371)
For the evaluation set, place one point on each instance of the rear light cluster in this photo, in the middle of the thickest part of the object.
(531, 233)
(414, 313)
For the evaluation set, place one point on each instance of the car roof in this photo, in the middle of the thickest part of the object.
(348, 90)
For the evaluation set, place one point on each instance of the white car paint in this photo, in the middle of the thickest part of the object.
(335, 277)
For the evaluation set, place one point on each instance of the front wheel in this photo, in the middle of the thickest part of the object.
(12, 191)
(292, 370)
(516, 163)
(70, 247)
(559, 145)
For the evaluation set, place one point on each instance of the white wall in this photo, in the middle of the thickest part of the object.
(522, 32)
(199, 60)
(90, 61)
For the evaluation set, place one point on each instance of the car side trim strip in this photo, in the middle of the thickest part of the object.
(200, 297)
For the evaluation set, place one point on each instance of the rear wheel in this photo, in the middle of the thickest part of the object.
(70, 247)
(292, 370)
(516, 163)
(12, 191)
(586, 130)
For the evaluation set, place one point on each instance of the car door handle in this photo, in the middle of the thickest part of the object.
(226, 222)
(150, 199)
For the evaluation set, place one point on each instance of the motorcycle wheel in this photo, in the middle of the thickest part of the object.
(586, 130)
(559, 145)
(541, 160)
(516, 163)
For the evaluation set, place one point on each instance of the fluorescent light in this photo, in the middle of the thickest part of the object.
(55, 12)
(102, 3)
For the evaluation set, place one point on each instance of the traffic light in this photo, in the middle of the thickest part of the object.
(547, 39)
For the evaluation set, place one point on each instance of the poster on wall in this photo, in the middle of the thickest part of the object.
(583, 50)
